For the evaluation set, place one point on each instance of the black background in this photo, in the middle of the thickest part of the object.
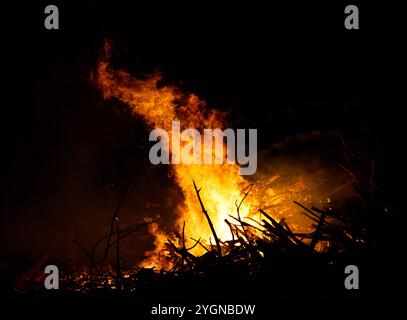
(283, 69)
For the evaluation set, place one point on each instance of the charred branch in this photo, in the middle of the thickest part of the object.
(218, 247)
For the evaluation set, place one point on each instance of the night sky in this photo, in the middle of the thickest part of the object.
(285, 70)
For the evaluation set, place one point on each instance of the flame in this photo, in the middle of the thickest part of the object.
(221, 185)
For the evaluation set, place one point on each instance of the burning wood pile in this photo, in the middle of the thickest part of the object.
(252, 238)
(255, 248)
(267, 235)
(260, 252)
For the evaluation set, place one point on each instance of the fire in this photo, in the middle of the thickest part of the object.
(221, 185)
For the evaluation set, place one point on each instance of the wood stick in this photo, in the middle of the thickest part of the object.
(209, 220)
(112, 226)
(317, 231)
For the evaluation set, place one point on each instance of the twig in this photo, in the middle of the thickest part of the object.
(230, 227)
(112, 226)
(209, 220)
(86, 252)
(126, 232)
(196, 243)
(183, 235)
(238, 212)
(315, 239)
(199, 242)
(118, 268)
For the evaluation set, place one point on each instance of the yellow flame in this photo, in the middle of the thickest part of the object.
(221, 184)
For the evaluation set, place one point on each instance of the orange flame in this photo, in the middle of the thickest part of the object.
(221, 185)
